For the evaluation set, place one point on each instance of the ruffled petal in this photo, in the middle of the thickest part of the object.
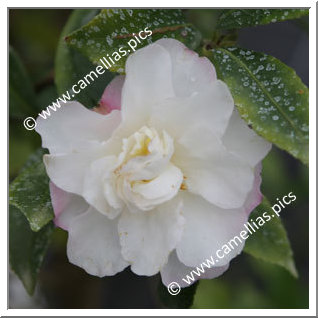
(158, 190)
(94, 190)
(93, 244)
(73, 127)
(210, 108)
(147, 238)
(68, 171)
(211, 171)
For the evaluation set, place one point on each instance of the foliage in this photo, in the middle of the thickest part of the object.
(22, 96)
(30, 193)
(71, 65)
(113, 28)
(270, 242)
(241, 18)
(269, 96)
(26, 248)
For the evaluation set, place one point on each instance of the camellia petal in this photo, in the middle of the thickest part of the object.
(211, 171)
(73, 126)
(162, 188)
(207, 229)
(211, 108)
(190, 73)
(94, 187)
(254, 198)
(66, 206)
(93, 244)
(68, 171)
(111, 98)
(244, 142)
(147, 238)
(146, 83)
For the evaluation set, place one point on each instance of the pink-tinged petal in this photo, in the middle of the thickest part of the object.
(66, 206)
(175, 271)
(60, 199)
(255, 197)
(111, 98)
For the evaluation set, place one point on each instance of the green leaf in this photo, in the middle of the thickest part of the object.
(21, 146)
(241, 18)
(269, 96)
(71, 66)
(270, 242)
(112, 29)
(183, 300)
(22, 101)
(26, 248)
(47, 95)
(30, 193)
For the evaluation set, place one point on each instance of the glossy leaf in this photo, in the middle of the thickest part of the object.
(71, 66)
(269, 96)
(270, 242)
(112, 29)
(29, 192)
(22, 101)
(241, 18)
(26, 248)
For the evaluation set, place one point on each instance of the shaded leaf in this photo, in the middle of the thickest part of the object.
(241, 18)
(269, 96)
(182, 300)
(270, 242)
(112, 29)
(22, 101)
(30, 193)
(26, 248)
(71, 66)
(21, 146)
(47, 95)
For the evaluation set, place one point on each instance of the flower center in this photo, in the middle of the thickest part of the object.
(144, 176)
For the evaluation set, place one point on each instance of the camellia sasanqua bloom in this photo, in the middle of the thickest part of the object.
(162, 175)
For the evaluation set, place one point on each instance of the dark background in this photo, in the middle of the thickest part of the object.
(248, 283)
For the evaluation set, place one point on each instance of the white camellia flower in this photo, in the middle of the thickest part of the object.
(162, 180)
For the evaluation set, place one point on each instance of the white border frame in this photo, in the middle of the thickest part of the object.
(312, 159)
